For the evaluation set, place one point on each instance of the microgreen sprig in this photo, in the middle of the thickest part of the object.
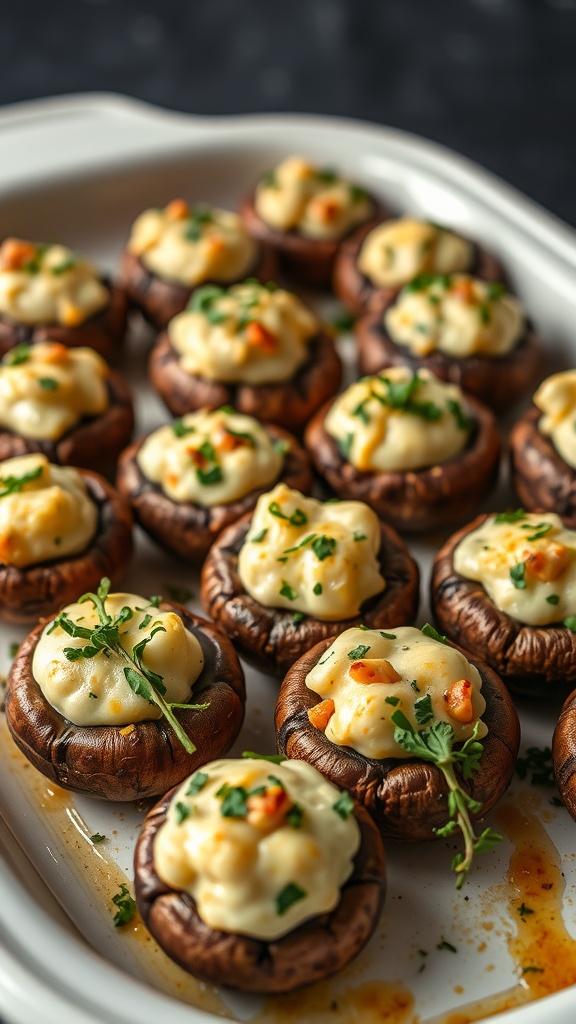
(436, 744)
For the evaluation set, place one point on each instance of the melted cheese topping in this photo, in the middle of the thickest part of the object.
(370, 674)
(95, 691)
(320, 559)
(45, 511)
(211, 458)
(556, 397)
(248, 334)
(296, 196)
(48, 284)
(280, 859)
(527, 567)
(397, 250)
(192, 245)
(399, 421)
(47, 388)
(455, 314)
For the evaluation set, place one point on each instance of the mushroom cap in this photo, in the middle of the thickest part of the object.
(406, 798)
(564, 753)
(315, 950)
(541, 478)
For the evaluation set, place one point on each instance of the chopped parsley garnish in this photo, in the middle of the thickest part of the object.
(541, 529)
(126, 907)
(258, 537)
(197, 782)
(484, 314)
(414, 685)
(358, 652)
(394, 701)
(532, 970)
(343, 321)
(19, 354)
(359, 536)
(300, 544)
(357, 194)
(199, 216)
(425, 280)
(297, 618)
(423, 711)
(518, 575)
(281, 447)
(93, 696)
(510, 517)
(495, 289)
(523, 910)
(180, 429)
(234, 801)
(387, 636)
(182, 811)
(327, 175)
(345, 445)
(203, 299)
(360, 411)
(273, 758)
(570, 622)
(323, 547)
(298, 517)
(447, 945)
(60, 268)
(97, 838)
(344, 805)
(317, 589)
(463, 421)
(429, 631)
(286, 591)
(48, 383)
(242, 436)
(553, 599)
(399, 395)
(14, 484)
(294, 816)
(291, 893)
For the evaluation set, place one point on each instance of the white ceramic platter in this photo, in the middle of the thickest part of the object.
(79, 170)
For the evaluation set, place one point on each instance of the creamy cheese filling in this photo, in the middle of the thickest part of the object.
(526, 563)
(247, 334)
(397, 250)
(367, 675)
(399, 421)
(48, 284)
(314, 558)
(211, 458)
(190, 245)
(315, 202)
(456, 314)
(47, 388)
(260, 847)
(556, 397)
(95, 690)
(45, 511)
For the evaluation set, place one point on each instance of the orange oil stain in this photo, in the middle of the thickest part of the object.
(373, 1002)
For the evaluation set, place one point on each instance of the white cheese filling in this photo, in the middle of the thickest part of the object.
(48, 284)
(527, 566)
(211, 458)
(260, 847)
(190, 245)
(248, 334)
(317, 203)
(45, 511)
(367, 675)
(397, 250)
(556, 397)
(399, 421)
(47, 388)
(456, 314)
(314, 558)
(95, 690)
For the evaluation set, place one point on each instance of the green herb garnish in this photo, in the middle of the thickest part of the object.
(290, 894)
(447, 945)
(286, 591)
(60, 268)
(14, 484)
(323, 547)
(258, 537)
(399, 395)
(495, 289)
(274, 758)
(343, 321)
(463, 421)
(358, 652)
(510, 517)
(570, 622)
(199, 216)
(523, 910)
(182, 811)
(48, 383)
(97, 838)
(344, 805)
(317, 589)
(298, 517)
(429, 631)
(18, 354)
(541, 530)
(197, 782)
(126, 907)
(552, 599)
(294, 816)
(423, 711)
(518, 575)
(180, 429)
(537, 764)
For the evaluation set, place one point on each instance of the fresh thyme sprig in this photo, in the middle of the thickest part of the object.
(105, 638)
(436, 744)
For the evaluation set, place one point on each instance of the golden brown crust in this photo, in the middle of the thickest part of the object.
(499, 382)
(188, 529)
(94, 443)
(40, 590)
(103, 331)
(420, 499)
(541, 478)
(356, 290)
(159, 300)
(269, 637)
(315, 950)
(536, 660)
(112, 764)
(407, 799)
(308, 260)
(564, 753)
(289, 404)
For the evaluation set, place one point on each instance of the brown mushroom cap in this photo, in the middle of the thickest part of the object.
(95, 442)
(188, 529)
(564, 753)
(535, 660)
(357, 290)
(290, 404)
(35, 591)
(499, 382)
(269, 637)
(103, 331)
(541, 477)
(115, 764)
(406, 798)
(308, 260)
(418, 499)
(315, 950)
(160, 299)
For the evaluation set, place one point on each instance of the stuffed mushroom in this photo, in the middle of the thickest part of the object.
(264, 877)
(299, 570)
(120, 696)
(564, 753)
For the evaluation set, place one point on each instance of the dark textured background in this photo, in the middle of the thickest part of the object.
(494, 79)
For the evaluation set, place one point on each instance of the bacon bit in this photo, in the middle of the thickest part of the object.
(458, 697)
(127, 730)
(324, 210)
(197, 458)
(268, 808)
(178, 209)
(321, 713)
(373, 672)
(55, 353)
(548, 564)
(260, 337)
(464, 290)
(227, 442)
(14, 253)
(70, 315)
